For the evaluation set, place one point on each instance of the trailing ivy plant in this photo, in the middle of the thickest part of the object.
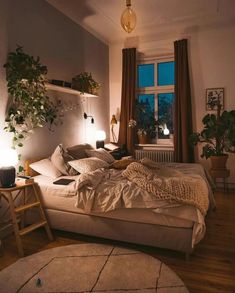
(30, 107)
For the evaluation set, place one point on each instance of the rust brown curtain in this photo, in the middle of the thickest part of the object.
(126, 134)
(183, 110)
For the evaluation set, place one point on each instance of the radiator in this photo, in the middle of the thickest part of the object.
(155, 155)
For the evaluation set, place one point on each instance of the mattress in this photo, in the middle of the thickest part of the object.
(63, 198)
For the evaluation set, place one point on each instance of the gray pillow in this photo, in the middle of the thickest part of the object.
(79, 151)
(101, 154)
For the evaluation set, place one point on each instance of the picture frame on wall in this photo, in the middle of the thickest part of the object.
(213, 96)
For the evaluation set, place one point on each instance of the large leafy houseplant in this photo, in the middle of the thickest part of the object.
(29, 107)
(218, 134)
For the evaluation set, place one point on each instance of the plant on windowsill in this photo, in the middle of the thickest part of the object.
(85, 83)
(218, 135)
(145, 122)
(30, 107)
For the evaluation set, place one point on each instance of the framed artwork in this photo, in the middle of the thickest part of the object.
(213, 97)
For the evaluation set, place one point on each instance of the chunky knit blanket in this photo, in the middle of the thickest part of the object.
(191, 190)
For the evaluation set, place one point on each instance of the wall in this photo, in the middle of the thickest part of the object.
(66, 49)
(212, 64)
(4, 137)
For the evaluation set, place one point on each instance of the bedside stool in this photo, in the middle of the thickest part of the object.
(221, 173)
(16, 212)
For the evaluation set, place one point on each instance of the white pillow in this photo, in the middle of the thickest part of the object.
(58, 160)
(101, 154)
(88, 164)
(46, 168)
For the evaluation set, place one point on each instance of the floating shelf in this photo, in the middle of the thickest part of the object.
(68, 90)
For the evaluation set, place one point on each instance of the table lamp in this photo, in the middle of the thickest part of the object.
(8, 161)
(113, 122)
(100, 137)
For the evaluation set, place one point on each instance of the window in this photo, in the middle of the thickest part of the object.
(156, 92)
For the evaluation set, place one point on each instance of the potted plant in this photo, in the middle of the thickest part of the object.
(144, 121)
(218, 135)
(85, 83)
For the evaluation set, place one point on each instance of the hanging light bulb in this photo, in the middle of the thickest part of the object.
(128, 18)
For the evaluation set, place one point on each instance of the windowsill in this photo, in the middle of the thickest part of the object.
(158, 146)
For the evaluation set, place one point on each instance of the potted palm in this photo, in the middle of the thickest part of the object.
(218, 136)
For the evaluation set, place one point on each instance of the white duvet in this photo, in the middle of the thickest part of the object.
(106, 190)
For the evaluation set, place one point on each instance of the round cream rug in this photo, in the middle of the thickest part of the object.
(90, 268)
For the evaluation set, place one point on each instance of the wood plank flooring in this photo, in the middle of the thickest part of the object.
(211, 268)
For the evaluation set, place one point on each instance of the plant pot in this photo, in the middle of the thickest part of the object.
(218, 162)
(143, 138)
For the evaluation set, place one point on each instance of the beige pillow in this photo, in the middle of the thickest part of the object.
(88, 164)
(60, 160)
(46, 168)
(101, 154)
(78, 151)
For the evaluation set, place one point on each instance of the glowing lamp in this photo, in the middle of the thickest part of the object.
(8, 161)
(166, 131)
(128, 18)
(100, 138)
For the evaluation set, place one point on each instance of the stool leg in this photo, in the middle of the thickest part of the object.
(15, 225)
(42, 214)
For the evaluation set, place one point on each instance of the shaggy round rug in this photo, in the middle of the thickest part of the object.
(90, 268)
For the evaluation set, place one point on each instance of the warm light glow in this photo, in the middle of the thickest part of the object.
(166, 131)
(100, 135)
(8, 157)
(128, 18)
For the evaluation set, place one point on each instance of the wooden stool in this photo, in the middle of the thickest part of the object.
(221, 173)
(11, 194)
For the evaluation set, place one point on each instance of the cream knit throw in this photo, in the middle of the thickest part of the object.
(191, 190)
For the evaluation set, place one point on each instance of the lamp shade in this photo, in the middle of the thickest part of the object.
(113, 120)
(8, 157)
(100, 135)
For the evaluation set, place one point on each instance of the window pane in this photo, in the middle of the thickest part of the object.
(145, 75)
(145, 115)
(147, 99)
(165, 114)
(166, 74)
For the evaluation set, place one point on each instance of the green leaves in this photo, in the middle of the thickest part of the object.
(85, 83)
(30, 107)
(218, 133)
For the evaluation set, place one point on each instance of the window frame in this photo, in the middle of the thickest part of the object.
(157, 89)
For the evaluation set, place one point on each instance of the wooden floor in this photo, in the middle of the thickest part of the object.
(211, 268)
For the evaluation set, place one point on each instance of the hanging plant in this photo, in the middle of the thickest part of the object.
(30, 107)
(85, 83)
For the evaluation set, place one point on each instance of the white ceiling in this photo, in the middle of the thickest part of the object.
(102, 17)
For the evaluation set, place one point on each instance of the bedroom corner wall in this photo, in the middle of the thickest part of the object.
(212, 64)
(66, 49)
(4, 9)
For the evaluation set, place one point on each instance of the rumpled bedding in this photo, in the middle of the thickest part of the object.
(178, 187)
(107, 189)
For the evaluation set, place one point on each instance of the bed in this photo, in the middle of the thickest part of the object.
(141, 220)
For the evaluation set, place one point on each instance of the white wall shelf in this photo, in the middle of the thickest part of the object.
(68, 90)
